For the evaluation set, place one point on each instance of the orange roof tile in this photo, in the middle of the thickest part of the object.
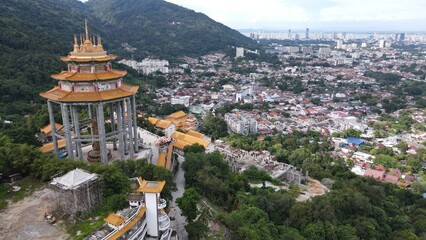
(151, 186)
(189, 139)
(115, 219)
(81, 77)
(195, 134)
(169, 156)
(153, 120)
(177, 115)
(163, 124)
(57, 94)
(161, 162)
(129, 225)
(48, 129)
(48, 147)
(88, 59)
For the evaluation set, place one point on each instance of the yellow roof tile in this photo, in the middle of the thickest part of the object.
(189, 139)
(81, 77)
(151, 186)
(163, 124)
(88, 59)
(129, 225)
(115, 219)
(153, 120)
(48, 129)
(177, 115)
(60, 95)
(48, 147)
(195, 134)
(161, 162)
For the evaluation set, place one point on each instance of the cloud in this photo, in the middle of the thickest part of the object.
(371, 10)
(317, 13)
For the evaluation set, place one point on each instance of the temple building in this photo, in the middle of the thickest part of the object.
(144, 219)
(89, 92)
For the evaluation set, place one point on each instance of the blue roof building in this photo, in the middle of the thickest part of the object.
(355, 141)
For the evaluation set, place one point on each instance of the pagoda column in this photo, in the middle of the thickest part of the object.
(52, 126)
(77, 134)
(89, 107)
(67, 129)
(125, 130)
(130, 125)
(101, 134)
(135, 126)
(120, 131)
(114, 140)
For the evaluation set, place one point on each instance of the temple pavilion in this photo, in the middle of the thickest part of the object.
(89, 93)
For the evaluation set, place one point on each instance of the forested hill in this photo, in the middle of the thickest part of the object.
(35, 33)
(165, 29)
(33, 36)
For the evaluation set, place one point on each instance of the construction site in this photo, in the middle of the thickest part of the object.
(77, 192)
(240, 160)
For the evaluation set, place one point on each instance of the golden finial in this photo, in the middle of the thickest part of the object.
(87, 30)
(81, 40)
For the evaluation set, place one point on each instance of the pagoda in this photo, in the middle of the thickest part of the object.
(89, 92)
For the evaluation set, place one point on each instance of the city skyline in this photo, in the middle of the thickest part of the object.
(323, 15)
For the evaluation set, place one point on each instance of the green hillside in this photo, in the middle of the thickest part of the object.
(165, 29)
(34, 34)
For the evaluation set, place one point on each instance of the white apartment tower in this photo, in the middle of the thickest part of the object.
(382, 43)
(239, 52)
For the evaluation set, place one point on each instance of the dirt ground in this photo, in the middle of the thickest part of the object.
(315, 188)
(25, 219)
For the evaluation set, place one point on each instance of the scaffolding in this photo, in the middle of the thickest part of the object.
(77, 192)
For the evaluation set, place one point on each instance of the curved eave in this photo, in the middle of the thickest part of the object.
(88, 59)
(59, 95)
(84, 77)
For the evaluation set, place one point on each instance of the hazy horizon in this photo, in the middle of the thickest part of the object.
(320, 15)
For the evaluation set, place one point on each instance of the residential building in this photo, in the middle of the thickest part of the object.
(184, 100)
(240, 123)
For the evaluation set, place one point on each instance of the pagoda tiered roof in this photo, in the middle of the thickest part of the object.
(103, 58)
(57, 94)
(81, 77)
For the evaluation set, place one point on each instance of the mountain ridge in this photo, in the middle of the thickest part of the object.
(35, 35)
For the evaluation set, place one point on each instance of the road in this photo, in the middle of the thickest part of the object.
(180, 221)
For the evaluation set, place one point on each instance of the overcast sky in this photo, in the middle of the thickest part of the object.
(345, 15)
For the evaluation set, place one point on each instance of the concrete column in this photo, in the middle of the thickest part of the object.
(114, 140)
(52, 126)
(123, 115)
(90, 109)
(120, 131)
(130, 127)
(76, 122)
(102, 137)
(135, 126)
(66, 121)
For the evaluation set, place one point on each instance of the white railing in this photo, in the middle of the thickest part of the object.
(162, 203)
(166, 235)
(142, 229)
(163, 216)
(164, 224)
(125, 223)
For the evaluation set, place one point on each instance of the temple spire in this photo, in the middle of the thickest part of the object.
(99, 40)
(76, 48)
(87, 30)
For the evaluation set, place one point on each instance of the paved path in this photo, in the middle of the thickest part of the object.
(180, 221)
